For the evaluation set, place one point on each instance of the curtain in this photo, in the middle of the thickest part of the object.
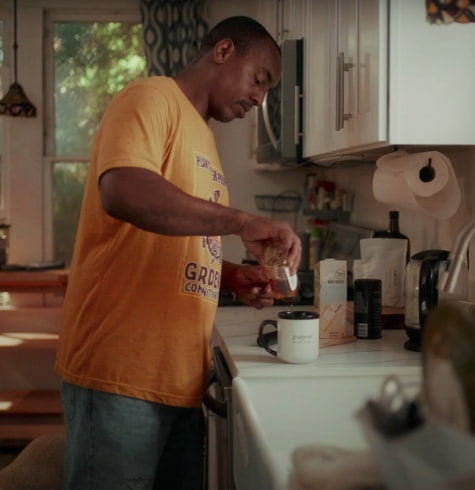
(448, 11)
(173, 31)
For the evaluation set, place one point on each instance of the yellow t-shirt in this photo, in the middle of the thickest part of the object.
(139, 306)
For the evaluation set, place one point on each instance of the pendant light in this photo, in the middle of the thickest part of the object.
(15, 102)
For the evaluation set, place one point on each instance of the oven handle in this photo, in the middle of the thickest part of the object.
(216, 406)
(221, 375)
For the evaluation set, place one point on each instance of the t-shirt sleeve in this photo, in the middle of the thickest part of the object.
(134, 131)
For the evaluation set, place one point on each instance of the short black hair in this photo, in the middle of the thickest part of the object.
(244, 32)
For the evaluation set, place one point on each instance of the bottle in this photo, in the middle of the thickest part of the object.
(315, 247)
(284, 285)
(394, 232)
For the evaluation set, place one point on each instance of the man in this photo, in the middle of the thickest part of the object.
(147, 268)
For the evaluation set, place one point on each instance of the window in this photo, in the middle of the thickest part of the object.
(90, 61)
(2, 90)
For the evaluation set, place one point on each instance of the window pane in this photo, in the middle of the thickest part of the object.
(92, 61)
(68, 185)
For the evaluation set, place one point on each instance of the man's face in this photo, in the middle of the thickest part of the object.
(243, 80)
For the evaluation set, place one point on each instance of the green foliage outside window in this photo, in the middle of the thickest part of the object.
(92, 62)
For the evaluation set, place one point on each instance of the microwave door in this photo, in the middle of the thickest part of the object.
(271, 117)
(280, 118)
(292, 100)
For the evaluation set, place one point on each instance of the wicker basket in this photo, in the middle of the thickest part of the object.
(281, 203)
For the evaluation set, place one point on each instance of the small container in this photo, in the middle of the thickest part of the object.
(284, 286)
(368, 313)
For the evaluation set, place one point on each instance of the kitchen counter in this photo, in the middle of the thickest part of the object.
(236, 333)
(278, 407)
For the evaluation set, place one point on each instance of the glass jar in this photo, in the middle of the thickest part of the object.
(284, 285)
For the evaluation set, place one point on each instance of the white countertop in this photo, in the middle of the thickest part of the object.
(236, 332)
(278, 407)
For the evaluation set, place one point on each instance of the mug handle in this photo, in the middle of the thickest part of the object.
(262, 339)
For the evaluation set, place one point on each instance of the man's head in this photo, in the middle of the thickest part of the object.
(243, 31)
(243, 62)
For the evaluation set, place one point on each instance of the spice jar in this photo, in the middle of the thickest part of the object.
(283, 284)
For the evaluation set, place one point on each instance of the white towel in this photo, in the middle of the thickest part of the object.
(331, 468)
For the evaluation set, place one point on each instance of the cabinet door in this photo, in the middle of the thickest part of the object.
(344, 63)
(293, 20)
(267, 12)
(432, 79)
(369, 115)
(284, 19)
(318, 78)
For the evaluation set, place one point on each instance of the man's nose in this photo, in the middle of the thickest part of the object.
(258, 97)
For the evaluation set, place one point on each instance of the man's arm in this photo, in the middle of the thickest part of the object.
(150, 202)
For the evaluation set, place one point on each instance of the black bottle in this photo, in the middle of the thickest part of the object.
(393, 232)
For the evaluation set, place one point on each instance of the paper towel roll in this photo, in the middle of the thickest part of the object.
(397, 182)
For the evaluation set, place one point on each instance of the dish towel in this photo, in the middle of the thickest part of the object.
(331, 468)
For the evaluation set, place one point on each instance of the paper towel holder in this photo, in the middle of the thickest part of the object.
(427, 173)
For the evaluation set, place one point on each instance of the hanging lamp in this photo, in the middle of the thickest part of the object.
(15, 102)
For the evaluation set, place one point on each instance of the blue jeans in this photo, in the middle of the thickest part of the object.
(119, 443)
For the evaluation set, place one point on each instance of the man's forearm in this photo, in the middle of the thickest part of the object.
(150, 202)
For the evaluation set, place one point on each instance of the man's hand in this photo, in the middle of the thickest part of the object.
(250, 284)
(257, 232)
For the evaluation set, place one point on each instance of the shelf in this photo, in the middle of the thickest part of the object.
(23, 281)
(27, 414)
(28, 340)
(328, 214)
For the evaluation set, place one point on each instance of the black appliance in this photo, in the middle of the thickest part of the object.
(421, 292)
(280, 117)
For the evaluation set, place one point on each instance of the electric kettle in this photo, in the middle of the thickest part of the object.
(421, 292)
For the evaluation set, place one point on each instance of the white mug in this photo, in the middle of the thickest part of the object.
(297, 336)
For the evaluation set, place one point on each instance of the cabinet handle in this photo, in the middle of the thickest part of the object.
(297, 97)
(341, 67)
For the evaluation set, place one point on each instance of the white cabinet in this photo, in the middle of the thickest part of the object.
(284, 19)
(347, 82)
(318, 82)
(378, 74)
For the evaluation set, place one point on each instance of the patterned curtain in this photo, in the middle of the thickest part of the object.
(448, 11)
(173, 31)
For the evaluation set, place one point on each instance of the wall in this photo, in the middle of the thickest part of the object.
(424, 231)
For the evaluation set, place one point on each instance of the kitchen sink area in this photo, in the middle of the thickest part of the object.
(278, 407)
(274, 416)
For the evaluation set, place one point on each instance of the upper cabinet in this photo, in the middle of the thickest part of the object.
(378, 74)
(387, 77)
(284, 19)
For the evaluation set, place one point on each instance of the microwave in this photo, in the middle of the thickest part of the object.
(280, 117)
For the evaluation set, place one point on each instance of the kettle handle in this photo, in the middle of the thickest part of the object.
(428, 294)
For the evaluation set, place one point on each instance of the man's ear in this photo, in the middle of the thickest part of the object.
(223, 50)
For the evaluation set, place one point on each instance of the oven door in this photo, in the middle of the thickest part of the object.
(218, 411)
